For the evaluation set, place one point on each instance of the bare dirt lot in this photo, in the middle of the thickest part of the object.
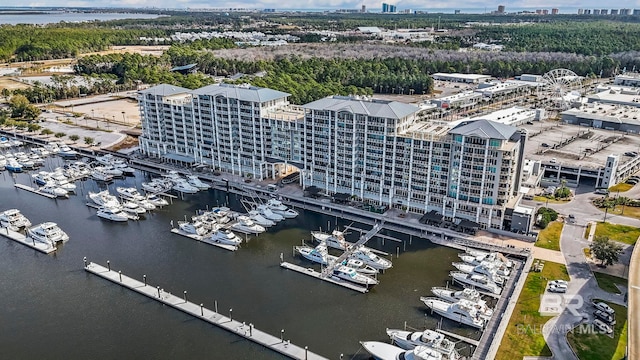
(155, 50)
(112, 111)
(11, 84)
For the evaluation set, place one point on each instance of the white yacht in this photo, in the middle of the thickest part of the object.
(384, 351)
(275, 204)
(462, 311)
(500, 267)
(103, 198)
(195, 228)
(129, 193)
(476, 280)
(110, 170)
(490, 256)
(268, 213)
(52, 189)
(360, 266)
(346, 273)
(99, 175)
(108, 159)
(133, 208)
(260, 219)
(41, 178)
(66, 151)
(245, 225)
(14, 220)
(220, 214)
(371, 259)
(468, 294)
(334, 240)
(3, 162)
(224, 236)
(428, 338)
(62, 181)
(12, 165)
(157, 200)
(145, 204)
(196, 182)
(183, 186)
(318, 254)
(156, 186)
(113, 214)
(479, 269)
(48, 233)
(279, 208)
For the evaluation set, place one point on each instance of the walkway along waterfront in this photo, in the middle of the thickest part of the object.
(248, 332)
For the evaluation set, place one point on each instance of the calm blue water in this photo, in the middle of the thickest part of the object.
(52, 309)
(51, 18)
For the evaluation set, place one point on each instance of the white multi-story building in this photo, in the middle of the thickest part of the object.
(373, 149)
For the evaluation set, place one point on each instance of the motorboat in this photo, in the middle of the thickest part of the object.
(462, 311)
(48, 233)
(157, 200)
(360, 266)
(195, 228)
(287, 214)
(318, 254)
(245, 225)
(384, 351)
(3, 162)
(125, 169)
(14, 220)
(184, 187)
(41, 151)
(13, 166)
(346, 273)
(103, 198)
(4, 143)
(224, 236)
(476, 280)
(428, 338)
(110, 170)
(145, 204)
(220, 214)
(108, 160)
(156, 186)
(334, 240)
(196, 182)
(371, 259)
(66, 151)
(259, 219)
(51, 189)
(99, 175)
(37, 160)
(112, 213)
(129, 193)
(24, 160)
(479, 269)
(133, 207)
(268, 213)
(500, 267)
(275, 204)
(41, 178)
(490, 256)
(468, 294)
(61, 181)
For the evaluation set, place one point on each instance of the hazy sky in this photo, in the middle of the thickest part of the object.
(339, 4)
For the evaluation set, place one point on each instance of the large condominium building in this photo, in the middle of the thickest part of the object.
(373, 149)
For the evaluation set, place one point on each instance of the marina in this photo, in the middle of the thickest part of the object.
(320, 275)
(34, 191)
(24, 240)
(204, 240)
(247, 331)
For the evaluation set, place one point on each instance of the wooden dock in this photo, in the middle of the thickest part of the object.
(311, 272)
(204, 239)
(248, 332)
(459, 337)
(24, 240)
(35, 191)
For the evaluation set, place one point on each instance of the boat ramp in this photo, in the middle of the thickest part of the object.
(249, 332)
(24, 240)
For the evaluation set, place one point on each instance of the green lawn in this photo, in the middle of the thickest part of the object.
(622, 187)
(544, 199)
(549, 237)
(608, 282)
(587, 231)
(524, 333)
(622, 233)
(601, 346)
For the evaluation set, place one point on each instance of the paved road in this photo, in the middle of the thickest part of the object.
(634, 303)
(582, 283)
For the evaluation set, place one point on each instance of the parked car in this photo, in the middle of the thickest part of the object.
(602, 191)
(571, 218)
(558, 282)
(558, 288)
(604, 307)
(602, 327)
(544, 145)
(606, 317)
(632, 182)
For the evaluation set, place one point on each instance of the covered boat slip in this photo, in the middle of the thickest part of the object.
(248, 332)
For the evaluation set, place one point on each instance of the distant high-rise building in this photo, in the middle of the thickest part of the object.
(385, 7)
(587, 11)
(393, 9)
(539, 11)
(554, 11)
(614, 11)
(501, 9)
(580, 11)
(545, 12)
(604, 11)
(636, 12)
(456, 12)
(625, 11)
(363, 9)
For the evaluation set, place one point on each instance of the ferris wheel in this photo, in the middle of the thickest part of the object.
(561, 86)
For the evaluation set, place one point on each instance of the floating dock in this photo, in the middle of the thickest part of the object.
(311, 272)
(204, 239)
(248, 332)
(24, 240)
(35, 191)
(459, 337)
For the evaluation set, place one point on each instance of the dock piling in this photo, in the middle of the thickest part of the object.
(108, 265)
(282, 335)
(250, 329)
(306, 351)
(85, 261)
(231, 314)
(185, 295)
(216, 305)
(397, 251)
(120, 274)
(158, 287)
(144, 277)
(201, 309)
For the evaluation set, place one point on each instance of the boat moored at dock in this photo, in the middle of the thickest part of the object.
(14, 220)
(476, 280)
(428, 338)
(462, 311)
(384, 351)
(48, 232)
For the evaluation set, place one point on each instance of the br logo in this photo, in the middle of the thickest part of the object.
(554, 304)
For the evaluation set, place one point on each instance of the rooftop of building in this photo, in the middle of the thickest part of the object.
(460, 96)
(365, 106)
(629, 75)
(620, 96)
(164, 90)
(608, 112)
(485, 129)
(590, 150)
(241, 92)
(512, 115)
(463, 76)
(286, 113)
